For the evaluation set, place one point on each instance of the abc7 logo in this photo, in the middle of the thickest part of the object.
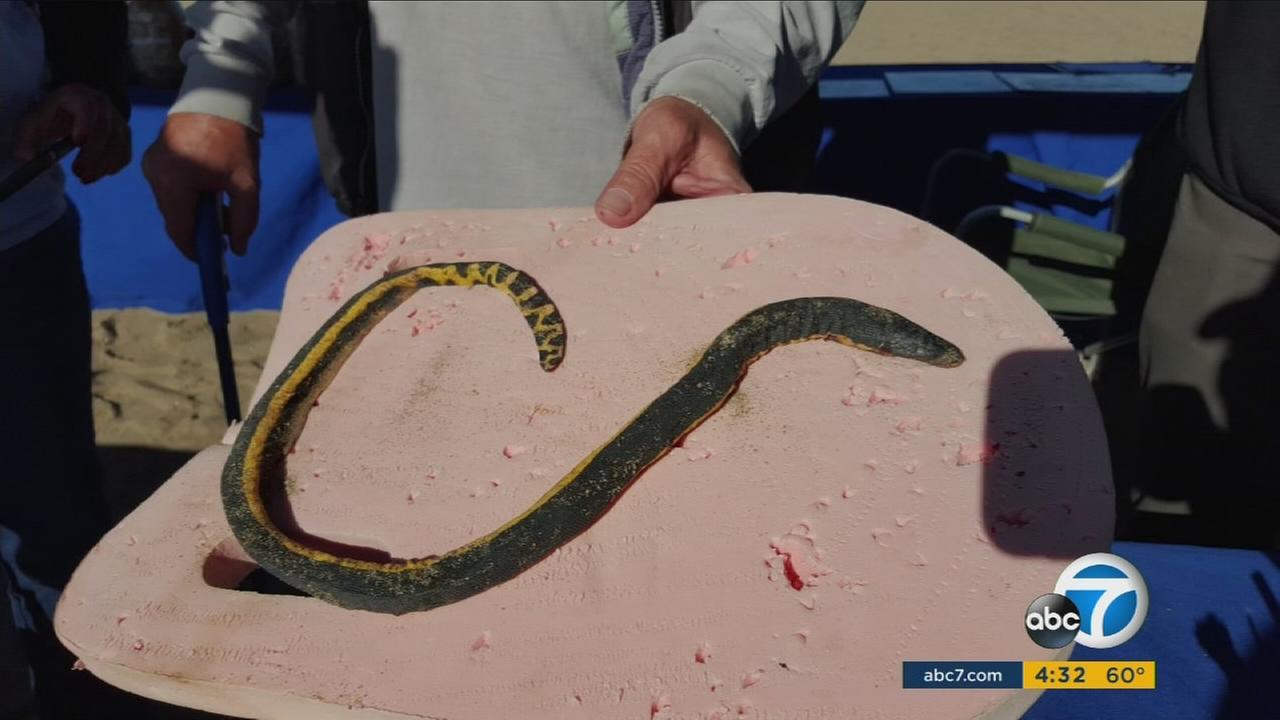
(1100, 601)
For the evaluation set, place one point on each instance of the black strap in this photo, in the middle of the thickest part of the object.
(333, 41)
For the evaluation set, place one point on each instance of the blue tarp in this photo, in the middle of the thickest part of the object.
(128, 259)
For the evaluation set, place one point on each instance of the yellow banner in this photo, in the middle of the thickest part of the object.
(1089, 675)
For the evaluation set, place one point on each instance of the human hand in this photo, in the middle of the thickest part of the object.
(677, 150)
(198, 153)
(89, 119)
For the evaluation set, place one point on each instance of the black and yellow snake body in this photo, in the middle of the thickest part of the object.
(254, 474)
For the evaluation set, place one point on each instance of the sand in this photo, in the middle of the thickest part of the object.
(1025, 31)
(156, 399)
(155, 378)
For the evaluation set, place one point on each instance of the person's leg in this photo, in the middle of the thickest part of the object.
(16, 699)
(1208, 347)
(51, 485)
(51, 506)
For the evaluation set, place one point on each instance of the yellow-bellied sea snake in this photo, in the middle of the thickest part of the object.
(255, 471)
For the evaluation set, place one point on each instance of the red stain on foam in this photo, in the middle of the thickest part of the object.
(793, 577)
(752, 678)
(660, 705)
(703, 653)
(484, 642)
(369, 253)
(511, 451)
(971, 453)
(801, 560)
(372, 250)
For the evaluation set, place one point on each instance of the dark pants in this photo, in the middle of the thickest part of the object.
(51, 506)
(1210, 351)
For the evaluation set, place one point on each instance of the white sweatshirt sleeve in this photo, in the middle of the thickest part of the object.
(744, 63)
(229, 61)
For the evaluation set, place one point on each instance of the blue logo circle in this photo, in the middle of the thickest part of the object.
(1111, 596)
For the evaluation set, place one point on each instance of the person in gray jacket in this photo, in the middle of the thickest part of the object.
(493, 104)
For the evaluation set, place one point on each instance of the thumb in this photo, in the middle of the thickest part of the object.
(242, 215)
(641, 178)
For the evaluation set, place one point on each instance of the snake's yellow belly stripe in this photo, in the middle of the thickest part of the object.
(255, 470)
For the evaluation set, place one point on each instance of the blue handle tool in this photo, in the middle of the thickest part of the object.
(211, 247)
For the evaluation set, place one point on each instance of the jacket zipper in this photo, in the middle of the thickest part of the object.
(658, 25)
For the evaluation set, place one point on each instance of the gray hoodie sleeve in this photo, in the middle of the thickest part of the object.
(744, 63)
(229, 61)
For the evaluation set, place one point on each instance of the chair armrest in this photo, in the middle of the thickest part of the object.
(1107, 243)
(1084, 183)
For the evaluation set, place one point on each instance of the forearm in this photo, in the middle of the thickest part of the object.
(746, 63)
(229, 61)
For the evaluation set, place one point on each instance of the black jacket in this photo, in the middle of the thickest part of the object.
(1230, 123)
(88, 43)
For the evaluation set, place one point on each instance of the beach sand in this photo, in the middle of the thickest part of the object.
(156, 398)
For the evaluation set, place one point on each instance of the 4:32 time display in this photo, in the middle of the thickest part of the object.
(1060, 674)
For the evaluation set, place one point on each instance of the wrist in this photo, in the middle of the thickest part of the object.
(714, 88)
